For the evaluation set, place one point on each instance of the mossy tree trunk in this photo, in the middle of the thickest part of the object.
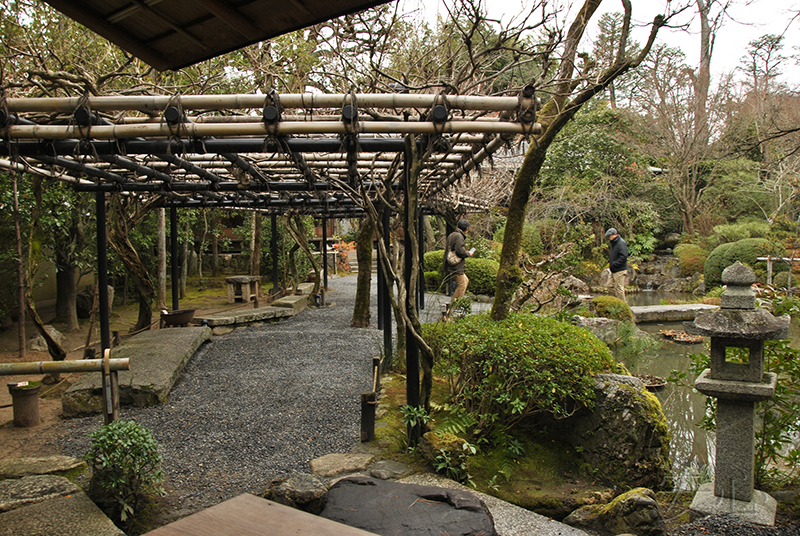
(122, 219)
(570, 93)
(361, 313)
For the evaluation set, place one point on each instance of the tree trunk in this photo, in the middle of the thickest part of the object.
(118, 239)
(257, 244)
(361, 313)
(34, 257)
(185, 263)
(66, 291)
(20, 272)
(161, 300)
(430, 240)
(214, 245)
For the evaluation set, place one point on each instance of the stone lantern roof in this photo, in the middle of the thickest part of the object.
(738, 317)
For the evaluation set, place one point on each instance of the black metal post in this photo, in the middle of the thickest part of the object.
(421, 279)
(387, 302)
(173, 251)
(412, 349)
(102, 272)
(379, 288)
(273, 245)
(324, 249)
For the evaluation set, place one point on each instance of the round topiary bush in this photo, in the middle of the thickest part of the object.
(691, 259)
(611, 307)
(482, 274)
(745, 251)
(712, 270)
(505, 372)
(433, 260)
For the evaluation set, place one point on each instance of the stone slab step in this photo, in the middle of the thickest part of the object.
(157, 358)
(50, 505)
(668, 313)
(246, 316)
(296, 302)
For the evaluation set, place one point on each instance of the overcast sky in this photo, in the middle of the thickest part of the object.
(749, 20)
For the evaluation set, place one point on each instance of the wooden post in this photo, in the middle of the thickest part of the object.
(368, 404)
(110, 390)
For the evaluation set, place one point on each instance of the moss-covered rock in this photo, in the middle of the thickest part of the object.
(625, 438)
(634, 512)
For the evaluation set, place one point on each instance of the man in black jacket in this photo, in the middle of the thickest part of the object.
(617, 261)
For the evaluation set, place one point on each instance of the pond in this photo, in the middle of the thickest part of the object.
(692, 449)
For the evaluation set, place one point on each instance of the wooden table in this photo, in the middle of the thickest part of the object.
(248, 515)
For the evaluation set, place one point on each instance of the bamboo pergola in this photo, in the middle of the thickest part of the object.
(304, 152)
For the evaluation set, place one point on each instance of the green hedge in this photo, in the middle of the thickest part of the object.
(504, 372)
(745, 251)
(482, 274)
(433, 260)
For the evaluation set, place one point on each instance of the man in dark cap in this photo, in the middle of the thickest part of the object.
(617, 261)
(455, 243)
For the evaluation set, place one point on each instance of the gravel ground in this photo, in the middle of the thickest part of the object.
(731, 525)
(258, 403)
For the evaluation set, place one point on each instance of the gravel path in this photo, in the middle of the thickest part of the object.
(258, 403)
(731, 525)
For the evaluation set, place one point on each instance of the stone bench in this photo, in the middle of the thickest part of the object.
(243, 287)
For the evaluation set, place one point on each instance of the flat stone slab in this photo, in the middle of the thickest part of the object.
(337, 464)
(395, 509)
(18, 492)
(296, 302)
(669, 313)
(509, 519)
(73, 514)
(246, 316)
(157, 358)
(47, 465)
(760, 509)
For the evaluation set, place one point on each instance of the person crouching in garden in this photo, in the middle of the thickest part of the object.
(617, 261)
(455, 270)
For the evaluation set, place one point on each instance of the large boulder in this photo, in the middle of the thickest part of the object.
(625, 436)
(634, 512)
(394, 509)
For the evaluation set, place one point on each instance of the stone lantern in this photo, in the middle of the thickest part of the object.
(737, 385)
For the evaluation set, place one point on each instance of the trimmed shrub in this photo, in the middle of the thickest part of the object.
(482, 274)
(126, 467)
(745, 251)
(739, 231)
(611, 307)
(433, 260)
(691, 258)
(505, 372)
(712, 270)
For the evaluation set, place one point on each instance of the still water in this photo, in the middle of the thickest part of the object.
(692, 449)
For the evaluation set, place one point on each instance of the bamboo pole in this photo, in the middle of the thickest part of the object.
(194, 130)
(158, 103)
(49, 367)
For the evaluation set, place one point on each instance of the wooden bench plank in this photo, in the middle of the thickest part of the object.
(248, 515)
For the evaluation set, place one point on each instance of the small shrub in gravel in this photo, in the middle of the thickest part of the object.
(482, 274)
(126, 467)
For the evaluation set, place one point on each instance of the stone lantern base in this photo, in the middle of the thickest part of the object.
(760, 509)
